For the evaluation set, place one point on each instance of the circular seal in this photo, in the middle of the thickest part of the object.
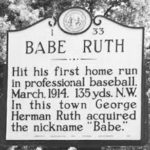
(74, 21)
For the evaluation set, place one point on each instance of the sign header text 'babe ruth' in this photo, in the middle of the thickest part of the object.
(95, 46)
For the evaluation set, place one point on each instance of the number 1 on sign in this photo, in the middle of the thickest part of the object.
(52, 32)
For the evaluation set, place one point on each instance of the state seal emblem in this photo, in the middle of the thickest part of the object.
(74, 21)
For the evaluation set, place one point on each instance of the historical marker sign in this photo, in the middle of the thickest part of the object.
(77, 79)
